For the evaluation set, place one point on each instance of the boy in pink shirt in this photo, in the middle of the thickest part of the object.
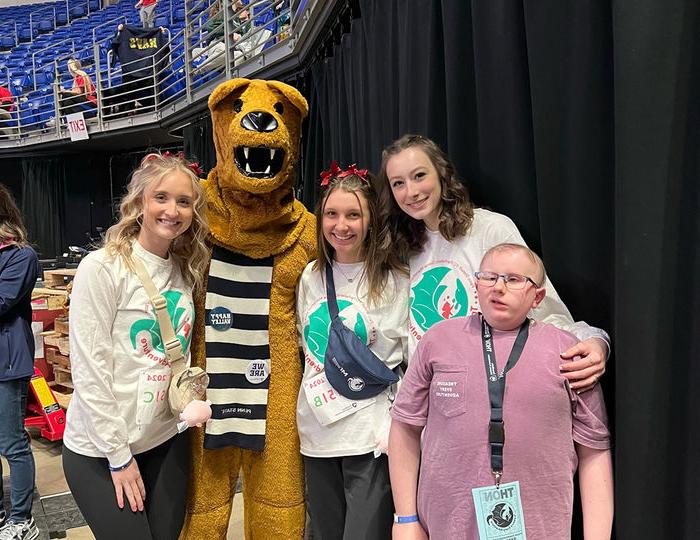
(494, 428)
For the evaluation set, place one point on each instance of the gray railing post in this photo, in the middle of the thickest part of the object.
(98, 82)
(56, 99)
(188, 58)
(227, 7)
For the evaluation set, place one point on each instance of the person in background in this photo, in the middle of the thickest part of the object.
(147, 12)
(7, 105)
(121, 443)
(19, 270)
(81, 96)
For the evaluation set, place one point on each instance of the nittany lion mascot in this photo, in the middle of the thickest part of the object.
(245, 331)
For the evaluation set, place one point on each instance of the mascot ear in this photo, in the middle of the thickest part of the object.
(293, 95)
(225, 89)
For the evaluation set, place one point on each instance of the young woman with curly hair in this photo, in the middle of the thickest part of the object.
(19, 268)
(437, 229)
(121, 443)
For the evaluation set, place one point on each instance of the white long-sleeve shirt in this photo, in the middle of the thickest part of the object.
(442, 280)
(382, 327)
(118, 364)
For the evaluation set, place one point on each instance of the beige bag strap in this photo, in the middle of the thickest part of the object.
(173, 348)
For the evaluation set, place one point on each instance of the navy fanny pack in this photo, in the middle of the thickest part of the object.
(352, 369)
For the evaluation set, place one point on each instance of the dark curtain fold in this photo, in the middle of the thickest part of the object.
(657, 264)
(44, 204)
(579, 120)
(198, 141)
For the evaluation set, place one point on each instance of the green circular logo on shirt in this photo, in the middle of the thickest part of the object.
(145, 334)
(316, 328)
(438, 293)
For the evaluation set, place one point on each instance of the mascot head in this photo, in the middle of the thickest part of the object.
(257, 127)
(250, 192)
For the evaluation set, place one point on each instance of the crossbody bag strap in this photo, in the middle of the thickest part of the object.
(173, 348)
(330, 292)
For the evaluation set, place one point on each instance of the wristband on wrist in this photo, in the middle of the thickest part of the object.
(121, 467)
(405, 519)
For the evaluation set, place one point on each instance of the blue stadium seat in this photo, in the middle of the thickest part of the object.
(45, 25)
(61, 17)
(78, 11)
(26, 33)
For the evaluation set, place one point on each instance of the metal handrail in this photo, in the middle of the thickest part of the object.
(163, 85)
(52, 46)
(14, 25)
(31, 15)
(116, 22)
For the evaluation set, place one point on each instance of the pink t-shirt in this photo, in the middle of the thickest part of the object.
(445, 390)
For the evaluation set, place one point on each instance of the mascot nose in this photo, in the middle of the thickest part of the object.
(259, 121)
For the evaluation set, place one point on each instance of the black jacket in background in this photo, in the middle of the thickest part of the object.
(135, 48)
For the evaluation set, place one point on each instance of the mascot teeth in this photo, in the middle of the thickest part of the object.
(259, 162)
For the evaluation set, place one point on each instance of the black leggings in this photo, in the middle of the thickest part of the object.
(164, 471)
(74, 104)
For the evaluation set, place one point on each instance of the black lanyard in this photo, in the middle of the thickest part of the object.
(497, 388)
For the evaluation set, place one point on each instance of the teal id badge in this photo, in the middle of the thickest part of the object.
(499, 512)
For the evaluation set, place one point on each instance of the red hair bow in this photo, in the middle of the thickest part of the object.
(327, 176)
(336, 172)
(352, 169)
(194, 166)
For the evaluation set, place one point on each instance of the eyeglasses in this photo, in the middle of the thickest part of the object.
(514, 282)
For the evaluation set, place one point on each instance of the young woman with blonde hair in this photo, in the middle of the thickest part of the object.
(121, 443)
(81, 96)
(19, 269)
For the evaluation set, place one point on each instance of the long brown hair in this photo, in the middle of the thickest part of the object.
(11, 225)
(456, 209)
(189, 249)
(379, 257)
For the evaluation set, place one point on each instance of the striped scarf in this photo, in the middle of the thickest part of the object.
(238, 349)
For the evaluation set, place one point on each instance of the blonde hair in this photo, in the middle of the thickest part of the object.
(75, 67)
(11, 225)
(189, 250)
(534, 258)
(379, 257)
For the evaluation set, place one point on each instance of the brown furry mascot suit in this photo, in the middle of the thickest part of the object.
(245, 332)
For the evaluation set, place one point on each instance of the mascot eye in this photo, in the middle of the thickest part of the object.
(238, 105)
(279, 107)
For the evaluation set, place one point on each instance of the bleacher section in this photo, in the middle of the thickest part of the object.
(36, 41)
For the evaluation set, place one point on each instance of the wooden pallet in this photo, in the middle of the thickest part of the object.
(57, 341)
(54, 357)
(57, 279)
(61, 393)
(63, 376)
(61, 325)
(54, 299)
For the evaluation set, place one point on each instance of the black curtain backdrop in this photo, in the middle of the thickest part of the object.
(44, 204)
(580, 120)
(657, 264)
(199, 143)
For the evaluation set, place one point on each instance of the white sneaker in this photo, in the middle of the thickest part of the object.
(22, 530)
(51, 122)
(3, 517)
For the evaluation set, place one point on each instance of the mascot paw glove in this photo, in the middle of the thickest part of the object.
(196, 413)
